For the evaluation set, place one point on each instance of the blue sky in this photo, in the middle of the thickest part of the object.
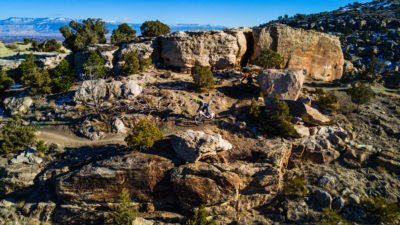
(231, 13)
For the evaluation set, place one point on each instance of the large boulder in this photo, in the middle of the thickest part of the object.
(191, 145)
(131, 89)
(18, 105)
(318, 53)
(309, 114)
(144, 175)
(218, 49)
(91, 89)
(284, 84)
(204, 184)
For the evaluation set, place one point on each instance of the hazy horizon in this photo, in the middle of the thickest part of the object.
(221, 13)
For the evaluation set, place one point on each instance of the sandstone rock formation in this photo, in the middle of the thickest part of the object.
(142, 174)
(284, 84)
(191, 145)
(318, 53)
(217, 49)
(91, 89)
(202, 183)
(309, 114)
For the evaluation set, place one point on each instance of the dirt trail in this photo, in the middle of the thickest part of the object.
(67, 139)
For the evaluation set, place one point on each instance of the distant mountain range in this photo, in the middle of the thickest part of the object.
(49, 27)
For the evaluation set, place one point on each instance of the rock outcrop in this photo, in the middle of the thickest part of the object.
(18, 106)
(131, 89)
(309, 114)
(18, 174)
(202, 183)
(217, 49)
(143, 175)
(191, 145)
(284, 84)
(99, 89)
(318, 53)
(91, 89)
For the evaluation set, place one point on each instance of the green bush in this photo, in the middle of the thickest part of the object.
(124, 33)
(277, 120)
(203, 78)
(361, 94)
(296, 187)
(49, 46)
(124, 214)
(254, 111)
(331, 217)
(145, 64)
(200, 218)
(63, 76)
(5, 81)
(154, 29)
(268, 59)
(133, 64)
(144, 135)
(41, 147)
(16, 137)
(79, 35)
(38, 80)
(386, 212)
(94, 66)
(327, 101)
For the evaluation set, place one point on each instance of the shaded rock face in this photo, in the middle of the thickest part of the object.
(319, 54)
(284, 84)
(18, 174)
(191, 145)
(144, 175)
(218, 49)
(201, 183)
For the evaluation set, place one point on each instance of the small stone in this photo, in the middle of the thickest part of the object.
(338, 203)
(322, 199)
(327, 181)
(353, 199)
